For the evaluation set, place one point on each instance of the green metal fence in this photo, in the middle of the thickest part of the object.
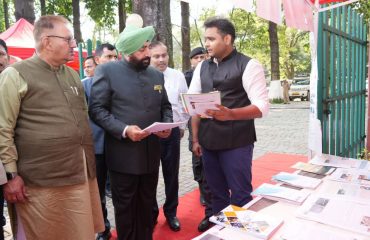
(341, 91)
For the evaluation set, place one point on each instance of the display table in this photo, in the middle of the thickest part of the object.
(292, 228)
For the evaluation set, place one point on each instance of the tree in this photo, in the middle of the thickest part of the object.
(121, 15)
(157, 14)
(102, 12)
(274, 49)
(25, 9)
(185, 36)
(295, 52)
(43, 7)
(76, 20)
(6, 13)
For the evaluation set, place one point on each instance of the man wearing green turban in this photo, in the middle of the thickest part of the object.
(126, 97)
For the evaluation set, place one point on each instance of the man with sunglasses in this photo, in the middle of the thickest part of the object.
(46, 144)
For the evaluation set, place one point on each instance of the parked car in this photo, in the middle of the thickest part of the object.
(300, 89)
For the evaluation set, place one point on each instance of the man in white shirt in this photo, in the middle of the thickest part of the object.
(175, 84)
(226, 141)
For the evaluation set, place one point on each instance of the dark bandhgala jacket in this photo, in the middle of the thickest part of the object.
(226, 78)
(52, 128)
(121, 95)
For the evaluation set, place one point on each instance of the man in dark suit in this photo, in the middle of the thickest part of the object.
(126, 97)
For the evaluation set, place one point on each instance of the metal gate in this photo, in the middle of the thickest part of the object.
(341, 90)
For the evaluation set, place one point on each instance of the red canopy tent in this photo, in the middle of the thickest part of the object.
(20, 42)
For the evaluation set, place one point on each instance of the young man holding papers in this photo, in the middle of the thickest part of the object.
(226, 141)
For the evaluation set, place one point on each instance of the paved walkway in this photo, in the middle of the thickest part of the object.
(284, 130)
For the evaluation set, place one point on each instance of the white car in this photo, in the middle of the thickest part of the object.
(300, 89)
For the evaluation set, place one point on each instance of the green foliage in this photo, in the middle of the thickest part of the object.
(294, 52)
(103, 12)
(363, 6)
(2, 22)
(276, 101)
(60, 7)
(364, 154)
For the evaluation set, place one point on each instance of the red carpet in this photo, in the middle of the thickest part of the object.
(190, 212)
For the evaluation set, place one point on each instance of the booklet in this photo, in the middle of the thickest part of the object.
(199, 103)
(279, 193)
(308, 167)
(340, 162)
(249, 222)
(337, 212)
(159, 126)
(297, 180)
(351, 176)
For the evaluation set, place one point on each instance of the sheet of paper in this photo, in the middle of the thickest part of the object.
(309, 230)
(340, 162)
(197, 104)
(159, 126)
(353, 192)
(351, 176)
(337, 212)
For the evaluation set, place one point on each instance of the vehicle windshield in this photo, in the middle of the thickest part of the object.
(304, 82)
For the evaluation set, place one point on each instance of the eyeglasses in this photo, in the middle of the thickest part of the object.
(69, 40)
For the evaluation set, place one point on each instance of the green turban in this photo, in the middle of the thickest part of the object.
(132, 38)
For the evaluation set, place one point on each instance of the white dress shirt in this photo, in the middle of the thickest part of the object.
(175, 84)
(254, 84)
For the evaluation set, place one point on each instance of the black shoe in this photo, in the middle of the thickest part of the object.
(204, 224)
(202, 200)
(104, 236)
(108, 193)
(174, 223)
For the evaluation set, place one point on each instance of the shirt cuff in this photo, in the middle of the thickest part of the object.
(124, 132)
(263, 106)
(10, 167)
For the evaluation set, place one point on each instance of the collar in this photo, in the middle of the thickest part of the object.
(231, 55)
(36, 58)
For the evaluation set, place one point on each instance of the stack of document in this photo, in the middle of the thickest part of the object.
(161, 126)
(297, 180)
(317, 169)
(275, 192)
(248, 222)
(337, 212)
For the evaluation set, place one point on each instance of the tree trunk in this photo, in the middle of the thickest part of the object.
(185, 35)
(121, 14)
(43, 7)
(157, 14)
(76, 20)
(6, 13)
(274, 49)
(25, 9)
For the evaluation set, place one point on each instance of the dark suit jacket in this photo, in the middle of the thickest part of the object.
(121, 96)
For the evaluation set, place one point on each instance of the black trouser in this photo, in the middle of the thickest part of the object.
(133, 198)
(101, 177)
(170, 160)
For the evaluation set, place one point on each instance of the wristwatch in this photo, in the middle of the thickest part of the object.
(11, 175)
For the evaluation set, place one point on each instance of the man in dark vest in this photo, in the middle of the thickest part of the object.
(126, 97)
(226, 141)
(46, 144)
